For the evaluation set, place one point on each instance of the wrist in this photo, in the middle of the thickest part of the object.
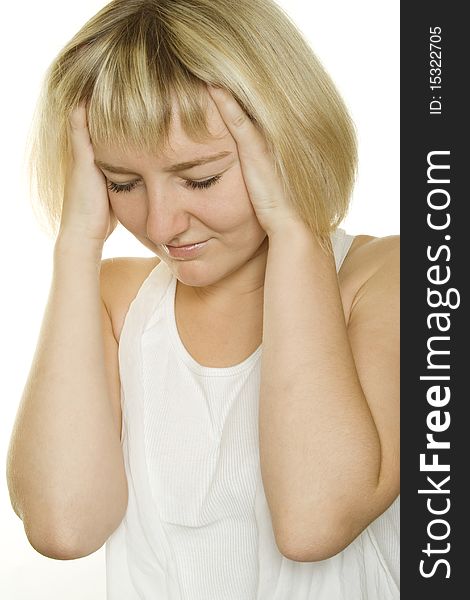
(70, 246)
(298, 238)
(290, 228)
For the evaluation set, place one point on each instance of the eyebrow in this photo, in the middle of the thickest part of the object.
(183, 166)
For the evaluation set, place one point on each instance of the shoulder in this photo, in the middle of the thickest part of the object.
(367, 257)
(378, 266)
(368, 253)
(121, 279)
(375, 301)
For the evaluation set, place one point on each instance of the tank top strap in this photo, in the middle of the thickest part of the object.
(341, 242)
(148, 298)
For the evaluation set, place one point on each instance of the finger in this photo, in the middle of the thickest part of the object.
(256, 160)
(81, 146)
(237, 121)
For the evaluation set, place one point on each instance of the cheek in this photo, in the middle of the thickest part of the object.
(131, 214)
(231, 205)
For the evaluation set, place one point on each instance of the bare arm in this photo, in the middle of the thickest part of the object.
(329, 397)
(65, 467)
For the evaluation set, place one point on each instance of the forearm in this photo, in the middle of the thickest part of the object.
(65, 459)
(319, 447)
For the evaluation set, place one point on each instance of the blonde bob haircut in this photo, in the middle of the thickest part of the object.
(134, 57)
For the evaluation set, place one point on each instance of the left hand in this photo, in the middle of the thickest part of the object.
(272, 209)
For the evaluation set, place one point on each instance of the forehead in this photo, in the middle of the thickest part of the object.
(180, 145)
(216, 125)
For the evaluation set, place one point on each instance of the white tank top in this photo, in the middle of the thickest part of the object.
(197, 525)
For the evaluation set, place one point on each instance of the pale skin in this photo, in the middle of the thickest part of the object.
(329, 398)
(329, 370)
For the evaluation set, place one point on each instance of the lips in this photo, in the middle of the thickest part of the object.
(186, 245)
(187, 251)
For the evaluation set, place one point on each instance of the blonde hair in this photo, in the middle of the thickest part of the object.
(134, 57)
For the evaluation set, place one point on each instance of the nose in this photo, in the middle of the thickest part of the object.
(167, 218)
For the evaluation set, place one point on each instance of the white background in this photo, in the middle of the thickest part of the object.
(358, 43)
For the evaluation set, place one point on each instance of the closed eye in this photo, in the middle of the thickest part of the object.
(199, 185)
(190, 183)
(121, 187)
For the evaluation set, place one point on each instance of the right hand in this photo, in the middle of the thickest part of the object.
(86, 210)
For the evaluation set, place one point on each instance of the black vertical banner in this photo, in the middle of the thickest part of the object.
(435, 331)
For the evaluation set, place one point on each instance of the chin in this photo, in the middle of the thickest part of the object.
(194, 273)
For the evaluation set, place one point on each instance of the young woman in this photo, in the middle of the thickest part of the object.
(224, 416)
